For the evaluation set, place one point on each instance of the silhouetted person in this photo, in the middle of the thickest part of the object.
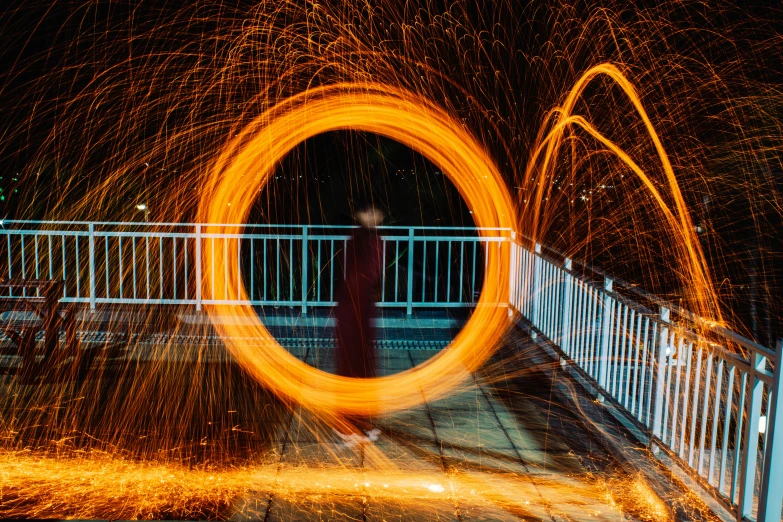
(354, 332)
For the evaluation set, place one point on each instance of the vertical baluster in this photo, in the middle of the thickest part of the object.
(199, 276)
(619, 359)
(636, 351)
(695, 405)
(615, 332)
(410, 272)
(24, 268)
(185, 275)
(629, 340)
(612, 340)
(305, 270)
(568, 311)
(669, 362)
(448, 273)
(119, 253)
(174, 265)
(547, 298)
(704, 413)
(654, 349)
(473, 273)
(133, 242)
(603, 361)
(583, 311)
(622, 363)
(590, 331)
(147, 262)
(383, 270)
(106, 268)
(461, 268)
(424, 270)
(639, 399)
(225, 268)
(437, 262)
(673, 427)
(738, 439)
(78, 269)
(396, 271)
(291, 270)
(265, 266)
(750, 450)
(62, 245)
(252, 269)
(726, 430)
(320, 267)
(37, 272)
(51, 270)
(715, 422)
(685, 398)
(10, 261)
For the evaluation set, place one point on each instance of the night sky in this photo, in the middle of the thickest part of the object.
(150, 90)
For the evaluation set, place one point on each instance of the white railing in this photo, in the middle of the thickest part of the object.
(280, 265)
(706, 397)
(714, 412)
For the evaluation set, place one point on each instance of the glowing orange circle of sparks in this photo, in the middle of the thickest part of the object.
(246, 164)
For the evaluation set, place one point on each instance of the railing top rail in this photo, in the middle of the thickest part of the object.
(720, 330)
(244, 225)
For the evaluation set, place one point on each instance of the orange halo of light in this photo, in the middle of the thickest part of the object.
(422, 126)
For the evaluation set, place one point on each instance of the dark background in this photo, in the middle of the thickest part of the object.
(107, 105)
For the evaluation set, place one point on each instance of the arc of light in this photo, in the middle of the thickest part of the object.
(552, 140)
(424, 127)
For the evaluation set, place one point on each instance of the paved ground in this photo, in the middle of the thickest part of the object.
(492, 463)
(501, 449)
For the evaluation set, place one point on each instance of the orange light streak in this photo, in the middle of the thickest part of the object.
(424, 127)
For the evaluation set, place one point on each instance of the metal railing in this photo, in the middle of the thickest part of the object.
(714, 412)
(279, 265)
(704, 396)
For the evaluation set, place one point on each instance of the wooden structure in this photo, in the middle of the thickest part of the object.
(29, 307)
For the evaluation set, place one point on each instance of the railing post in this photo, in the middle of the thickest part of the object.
(409, 309)
(513, 277)
(660, 385)
(91, 228)
(771, 493)
(750, 451)
(535, 287)
(565, 336)
(304, 269)
(603, 362)
(198, 267)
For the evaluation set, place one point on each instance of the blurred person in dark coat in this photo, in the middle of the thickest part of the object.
(354, 331)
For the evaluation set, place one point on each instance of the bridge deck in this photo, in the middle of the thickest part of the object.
(502, 449)
(522, 465)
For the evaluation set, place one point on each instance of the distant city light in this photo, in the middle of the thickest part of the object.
(141, 206)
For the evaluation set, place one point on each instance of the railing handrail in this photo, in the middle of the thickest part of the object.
(101, 261)
(241, 225)
(710, 325)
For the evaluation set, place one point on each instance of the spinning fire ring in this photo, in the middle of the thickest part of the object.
(244, 167)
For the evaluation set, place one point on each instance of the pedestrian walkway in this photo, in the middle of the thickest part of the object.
(506, 446)
(468, 457)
